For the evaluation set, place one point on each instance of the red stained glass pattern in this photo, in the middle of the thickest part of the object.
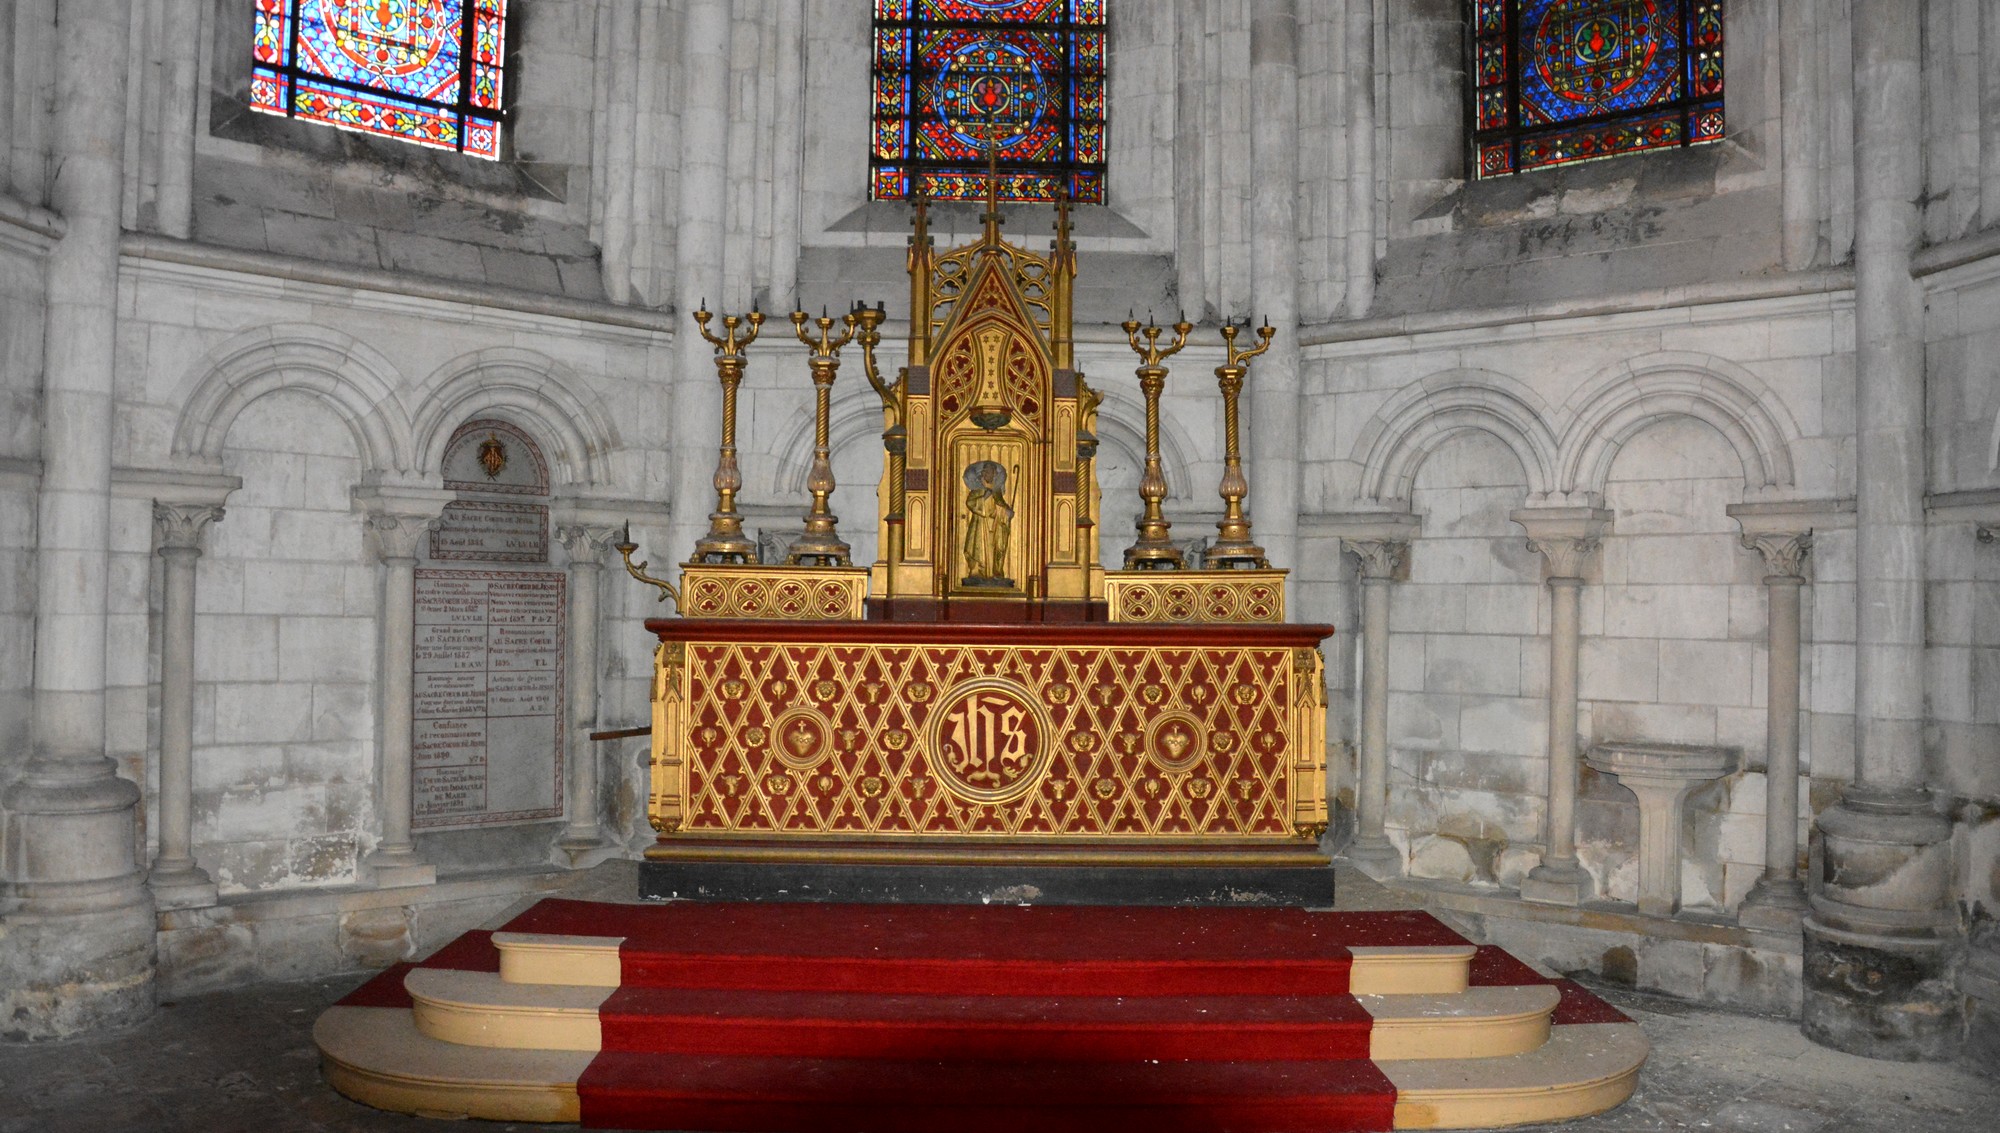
(952, 77)
(425, 71)
(1561, 81)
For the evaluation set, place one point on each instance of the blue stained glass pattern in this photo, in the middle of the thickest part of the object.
(424, 71)
(953, 77)
(1561, 81)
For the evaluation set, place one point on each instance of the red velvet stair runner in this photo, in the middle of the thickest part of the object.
(842, 1018)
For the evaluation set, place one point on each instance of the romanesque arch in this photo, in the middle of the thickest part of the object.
(352, 379)
(1622, 401)
(1415, 422)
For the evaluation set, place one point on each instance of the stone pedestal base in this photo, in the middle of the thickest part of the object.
(1778, 906)
(1555, 884)
(181, 889)
(1980, 981)
(66, 975)
(395, 871)
(1881, 940)
(585, 852)
(1376, 858)
(1880, 997)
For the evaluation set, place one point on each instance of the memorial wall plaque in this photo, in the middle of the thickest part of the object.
(489, 697)
(492, 531)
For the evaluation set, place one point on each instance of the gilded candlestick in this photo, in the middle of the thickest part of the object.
(725, 541)
(821, 544)
(1232, 547)
(1153, 550)
(895, 438)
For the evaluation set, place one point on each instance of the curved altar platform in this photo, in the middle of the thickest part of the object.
(841, 1017)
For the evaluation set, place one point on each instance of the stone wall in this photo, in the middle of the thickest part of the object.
(1664, 336)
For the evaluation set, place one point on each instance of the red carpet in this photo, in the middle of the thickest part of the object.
(843, 1018)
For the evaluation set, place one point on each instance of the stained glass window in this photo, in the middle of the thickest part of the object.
(1562, 81)
(424, 71)
(955, 76)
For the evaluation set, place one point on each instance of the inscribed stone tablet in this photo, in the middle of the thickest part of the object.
(488, 697)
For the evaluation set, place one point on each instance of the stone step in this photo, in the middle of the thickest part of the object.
(378, 1057)
(1583, 1068)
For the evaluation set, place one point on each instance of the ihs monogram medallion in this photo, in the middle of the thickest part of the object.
(990, 740)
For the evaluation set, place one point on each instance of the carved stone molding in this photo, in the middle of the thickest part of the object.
(1380, 558)
(1785, 552)
(181, 525)
(587, 543)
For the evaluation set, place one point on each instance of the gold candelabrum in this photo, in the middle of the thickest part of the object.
(725, 541)
(1232, 548)
(1154, 550)
(821, 544)
(895, 437)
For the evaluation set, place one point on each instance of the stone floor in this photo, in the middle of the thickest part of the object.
(244, 1060)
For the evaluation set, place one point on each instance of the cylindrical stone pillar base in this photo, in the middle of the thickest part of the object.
(1880, 943)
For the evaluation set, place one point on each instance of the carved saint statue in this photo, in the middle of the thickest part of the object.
(989, 521)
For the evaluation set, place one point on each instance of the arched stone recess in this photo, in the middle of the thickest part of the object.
(1414, 423)
(533, 391)
(352, 379)
(1616, 405)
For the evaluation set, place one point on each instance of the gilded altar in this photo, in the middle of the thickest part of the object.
(986, 686)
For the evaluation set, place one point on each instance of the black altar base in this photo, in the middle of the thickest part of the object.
(1151, 874)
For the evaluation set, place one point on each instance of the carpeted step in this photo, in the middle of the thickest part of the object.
(977, 950)
(481, 1009)
(651, 1091)
(985, 1027)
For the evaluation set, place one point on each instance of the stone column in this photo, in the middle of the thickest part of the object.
(79, 938)
(397, 529)
(1779, 898)
(1275, 411)
(174, 203)
(175, 880)
(703, 213)
(1881, 936)
(1360, 33)
(1803, 129)
(1371, 851)
(587, 545)
(1566, 538)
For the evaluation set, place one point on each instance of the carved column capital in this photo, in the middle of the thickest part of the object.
(181, 525)
(1565, 537)
(1381, 559)
(1565, 555)
(1785, 552)
(394, 536)
(587, 543)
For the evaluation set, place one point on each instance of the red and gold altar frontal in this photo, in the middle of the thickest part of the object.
(1089, 732)
(986, 682)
